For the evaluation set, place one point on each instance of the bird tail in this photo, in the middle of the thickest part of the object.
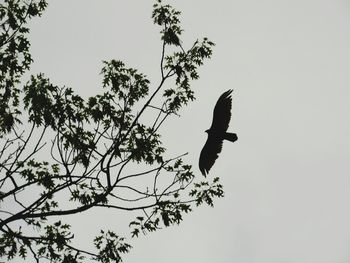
(232, 137)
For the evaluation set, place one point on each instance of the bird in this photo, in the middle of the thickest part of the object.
(217, 133)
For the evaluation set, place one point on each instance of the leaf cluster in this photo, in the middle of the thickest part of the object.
(14, 55)
(110, 247)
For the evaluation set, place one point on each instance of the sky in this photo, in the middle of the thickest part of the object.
(287, 178)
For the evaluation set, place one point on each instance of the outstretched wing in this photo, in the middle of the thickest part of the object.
(222, 113)
(209, 153)
(213, 145)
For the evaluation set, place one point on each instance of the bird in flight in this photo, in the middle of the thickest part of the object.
(217, 133)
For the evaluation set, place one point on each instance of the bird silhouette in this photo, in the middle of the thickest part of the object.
(217, 133)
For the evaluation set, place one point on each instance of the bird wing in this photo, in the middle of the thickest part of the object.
(222, 113)
(209, 153)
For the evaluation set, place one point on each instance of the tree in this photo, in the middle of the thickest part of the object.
(90, 144)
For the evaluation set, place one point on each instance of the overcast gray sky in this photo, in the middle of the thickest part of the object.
(287, 178)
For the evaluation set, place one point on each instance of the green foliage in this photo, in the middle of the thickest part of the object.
(126, 83)
(185, 66)
(14, 55)
(54, 241)
(89, 145)
(205, 192)
(110, 247)
(168, 18)
(49, 105)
